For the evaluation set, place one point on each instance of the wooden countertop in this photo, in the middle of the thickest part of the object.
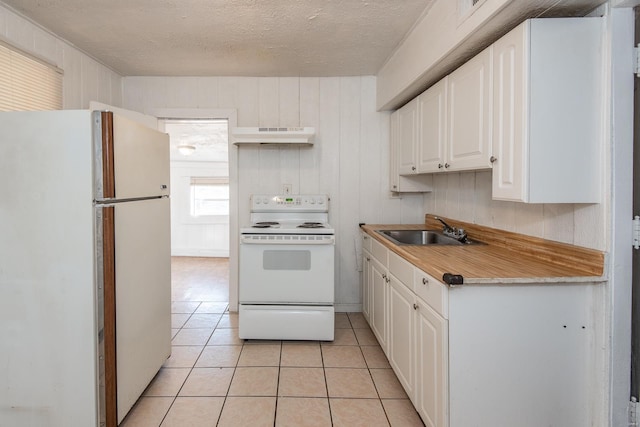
(505, 258)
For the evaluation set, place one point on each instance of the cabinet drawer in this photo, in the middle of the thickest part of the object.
(432, 291)
(379, 252)
(366, 242)
(401, 269)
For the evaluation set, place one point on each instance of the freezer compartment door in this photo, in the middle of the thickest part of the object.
(143, 295)
(133, 159)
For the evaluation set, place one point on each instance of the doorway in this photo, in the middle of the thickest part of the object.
(199, 186)
(199, 156)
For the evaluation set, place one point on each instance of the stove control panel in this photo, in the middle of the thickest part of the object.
(288, 202)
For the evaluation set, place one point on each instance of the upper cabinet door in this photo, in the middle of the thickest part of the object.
(432, 125)
(509, 109)
(469, 125)
(407, 137)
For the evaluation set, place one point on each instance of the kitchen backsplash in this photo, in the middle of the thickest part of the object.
(466, 196)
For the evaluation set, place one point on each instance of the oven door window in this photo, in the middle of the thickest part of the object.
(286, 260)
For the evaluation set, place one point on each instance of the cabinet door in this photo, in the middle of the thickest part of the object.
(407, 138)
(366, 285)
(378, 308)
(432, 389)
(509, 115)
(402, 334)
(394, 177)
(432, 128)
(469, 95)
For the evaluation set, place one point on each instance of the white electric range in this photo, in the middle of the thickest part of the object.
(286, 275)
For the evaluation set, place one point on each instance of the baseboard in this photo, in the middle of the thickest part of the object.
(348, 308)
(213, 253)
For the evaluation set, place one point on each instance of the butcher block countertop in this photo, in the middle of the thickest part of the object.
(506, 258)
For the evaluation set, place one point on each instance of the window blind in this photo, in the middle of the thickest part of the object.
(27, 83)
(209, 180)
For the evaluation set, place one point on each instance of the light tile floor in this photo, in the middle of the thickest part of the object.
(213, 378)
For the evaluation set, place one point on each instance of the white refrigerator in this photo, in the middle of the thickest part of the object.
(85, 293)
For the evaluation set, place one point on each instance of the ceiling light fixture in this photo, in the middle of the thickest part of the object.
(186, 149)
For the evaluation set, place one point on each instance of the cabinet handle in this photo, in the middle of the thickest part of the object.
(368, 259)
(365, 237)
(415, 306)
(395, 186)
(493, 159)
(384, 276)
(424, 281)
(413, 168)
(446, 165)
(439, 165)
(387, 280)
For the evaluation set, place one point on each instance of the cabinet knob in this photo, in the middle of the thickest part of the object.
(439, 165)
(413, 168)
(493, 159)
(424, 281)
(395, 186)
(446, 165)
(415, 306)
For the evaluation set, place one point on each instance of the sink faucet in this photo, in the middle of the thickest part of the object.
(456, 233)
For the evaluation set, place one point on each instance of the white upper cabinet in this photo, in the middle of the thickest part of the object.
(453, 122)
(432, 123)
(547, 124)
(469, 115)
(408, 137)
(399, 150)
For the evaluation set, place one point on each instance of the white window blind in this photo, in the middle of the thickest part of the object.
(27, 83)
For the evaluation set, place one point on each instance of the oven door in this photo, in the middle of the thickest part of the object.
(286, 269)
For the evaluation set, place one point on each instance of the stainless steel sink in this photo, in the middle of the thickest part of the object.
(421, 238)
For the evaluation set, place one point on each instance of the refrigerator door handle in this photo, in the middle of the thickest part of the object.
(112, 202)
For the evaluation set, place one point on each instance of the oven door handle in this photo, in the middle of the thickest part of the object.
(287, 239)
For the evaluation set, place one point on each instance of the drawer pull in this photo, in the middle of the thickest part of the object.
(424, 281)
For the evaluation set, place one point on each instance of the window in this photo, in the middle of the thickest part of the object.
(209, 196)
(27, 83)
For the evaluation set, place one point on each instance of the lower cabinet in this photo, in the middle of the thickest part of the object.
(432, 355)
(412, 333)
(491, 354)
(402, 339)
(366, 288)
(378, 311)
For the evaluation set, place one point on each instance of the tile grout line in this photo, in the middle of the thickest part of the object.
(192, 367)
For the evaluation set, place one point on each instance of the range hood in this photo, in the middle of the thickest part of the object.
(273, 135)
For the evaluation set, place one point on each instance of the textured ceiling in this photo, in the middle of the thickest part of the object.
(234, 38)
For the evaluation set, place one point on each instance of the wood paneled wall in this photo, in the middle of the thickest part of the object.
(84, 78)
(349, 160)
(466, 196)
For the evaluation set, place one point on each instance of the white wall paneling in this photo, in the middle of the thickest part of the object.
(84, 78)
(466, 196)
(347, 162)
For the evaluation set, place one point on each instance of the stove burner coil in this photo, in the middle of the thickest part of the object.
(265, 224)
(311, 225)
